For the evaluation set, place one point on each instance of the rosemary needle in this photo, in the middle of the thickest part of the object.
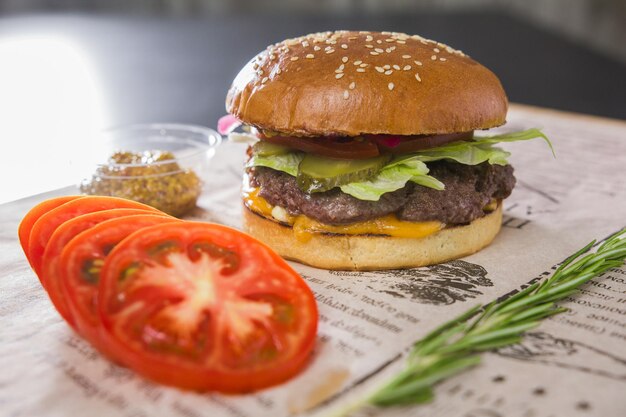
(456, 345)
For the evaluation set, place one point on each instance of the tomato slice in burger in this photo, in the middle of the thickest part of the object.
(34, 214)
(50, 274)
(81, 261)
(205, 307)
(47, 223)
(406, 144)
(333, 147)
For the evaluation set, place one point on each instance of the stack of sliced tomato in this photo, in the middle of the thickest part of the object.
(195, 305)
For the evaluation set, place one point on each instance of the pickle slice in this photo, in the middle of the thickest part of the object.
(317, 173)
(269, 149)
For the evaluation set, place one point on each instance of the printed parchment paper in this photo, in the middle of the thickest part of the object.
(572, 365)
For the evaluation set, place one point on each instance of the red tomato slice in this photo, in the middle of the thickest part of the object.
(50, 275)
(47, 224)
(34, 214)
(406, 144)
(365, 146)
(333, 147)
(205, 307)
(80, 263)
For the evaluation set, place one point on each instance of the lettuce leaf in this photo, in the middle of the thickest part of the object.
(467, 153)
(391, 178)
(516, 136)
(412, 167)
(479, 150)
(287, 162)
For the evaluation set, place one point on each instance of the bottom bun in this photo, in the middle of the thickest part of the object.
(374, 252)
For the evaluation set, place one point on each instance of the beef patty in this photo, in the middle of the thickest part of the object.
(468, 190)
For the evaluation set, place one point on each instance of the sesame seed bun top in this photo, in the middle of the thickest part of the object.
(350, 83)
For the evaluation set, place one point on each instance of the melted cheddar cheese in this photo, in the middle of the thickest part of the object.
(304, 227)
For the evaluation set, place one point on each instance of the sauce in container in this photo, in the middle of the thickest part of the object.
(161, 165)
(150, 177)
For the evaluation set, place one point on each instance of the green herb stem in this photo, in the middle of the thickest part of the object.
(454, 346)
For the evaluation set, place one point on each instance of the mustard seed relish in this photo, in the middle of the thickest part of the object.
(151, 177)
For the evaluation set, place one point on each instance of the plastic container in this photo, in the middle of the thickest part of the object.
(166, 168)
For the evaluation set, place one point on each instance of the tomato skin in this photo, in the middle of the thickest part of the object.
(398, 145)
(34, 214)
(333, 147)
(50, 272)
(223, 357)
(45, 226)
(365, 146)
(94, 244)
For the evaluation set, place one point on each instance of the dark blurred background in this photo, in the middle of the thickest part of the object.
(71, 67)
(600, 24)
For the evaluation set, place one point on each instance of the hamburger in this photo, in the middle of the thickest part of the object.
(364, 153)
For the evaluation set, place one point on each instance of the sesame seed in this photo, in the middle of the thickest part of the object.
(341, 67)
(387, 67)
(417, 77)
(418, 63)
(369, 38)
(402, 42)
(352, 85)
(406, 67)
(264, 80)
(379, 41)
(338, 71)
(436, 50)
(379, 69)
(380, 51)
(278, 71)
(344, 59)
(330, 51)
(393, 48)
(351, 38)
(310, 56)
(442, 59)
(388, 50)
(360, 70)
(373, 53)
(344, 46)
(294, 58)
(390, 86)
(369, 46)
(390, 40)
(396, 67)
(316, 48)
(346, 94)
(434, 57)
(358, 62)
(388, 72)
(363, 65)
(261, 72)
(338, 76)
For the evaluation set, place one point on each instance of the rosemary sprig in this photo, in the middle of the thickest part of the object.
(456, 345)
